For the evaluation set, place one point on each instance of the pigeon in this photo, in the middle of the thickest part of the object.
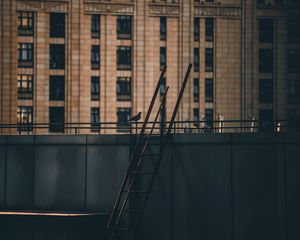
(136, 117)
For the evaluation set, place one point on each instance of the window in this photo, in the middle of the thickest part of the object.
(25, 118)
(209, 90)
(123, 116)
(95, 26)
(209, 29)
(209, 59)
(162, 87)
(260, 2)
(25, 55)
(95, 57)
(196, 29)
(95, 88)
(163, 57)
(209, 117)
(56, 119)
(293, 33)
(124, 27)
(25, 86)
(196, 117)
(25, 23)
(265, 60)
(123, 88)
(196, 60)
(124, 58)
(293, 117)
(57, 25)
(95, 120)
(293, 63)
(266, 120)
(293, 90)
(265, 90)
(163, 28)
(266, 33)
(57, 56)
(57, 88)
(196, 89)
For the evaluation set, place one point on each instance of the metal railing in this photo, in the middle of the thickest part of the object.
(224, 126)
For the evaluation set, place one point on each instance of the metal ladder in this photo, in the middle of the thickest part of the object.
(138, 181)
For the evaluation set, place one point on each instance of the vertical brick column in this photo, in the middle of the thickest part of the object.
(8, 64)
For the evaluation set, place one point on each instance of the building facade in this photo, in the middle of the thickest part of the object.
(91, 61)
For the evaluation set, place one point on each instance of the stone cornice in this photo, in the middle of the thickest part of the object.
(109, 7)
(226, 11)
(44, 6)
(165, 9)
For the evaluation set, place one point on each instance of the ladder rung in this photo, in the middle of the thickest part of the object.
(141, 172)
(135, 191)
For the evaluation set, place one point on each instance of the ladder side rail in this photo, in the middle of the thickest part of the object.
(136, 148)
(164, 143)
(140, 160)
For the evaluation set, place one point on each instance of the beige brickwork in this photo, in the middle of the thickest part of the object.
(235, 52)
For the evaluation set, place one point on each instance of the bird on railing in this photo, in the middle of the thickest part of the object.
(135, 118)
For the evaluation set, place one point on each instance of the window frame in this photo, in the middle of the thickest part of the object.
(25, 49)
(95, 56)
(57, 60)
(124, 57)
(59, 82)
(57, 29)
(123, 88)
(28, 28)
(124, 27)
(27, 80)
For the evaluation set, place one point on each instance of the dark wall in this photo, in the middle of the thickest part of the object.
(209, 186)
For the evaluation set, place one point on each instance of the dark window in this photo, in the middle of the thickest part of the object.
(95, 88)
(209, 1)
(265, 60)
(123, 116)
(162, 87)
(57, 88)
(196, 28)
(293, 117)
(123, 88)
(163, 57)
(56, 119)
(209, 29)
(209, 90)
(25, 86)
(163, 28)
(196, 89)
(266, 120)
(293, 90)
(266, 91)
(293, 61)
(209, 117)
(124, 27)
(196, 60)
(57, 56)
(57, 25)
(95, 57)
(196, 117)
(25, 55)
(95, 120)
(95, 26)
(124, 58)
(260, 2)
(25, 118)
(25, 23)
(209, 59)
(266, 33)
(293, 33)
